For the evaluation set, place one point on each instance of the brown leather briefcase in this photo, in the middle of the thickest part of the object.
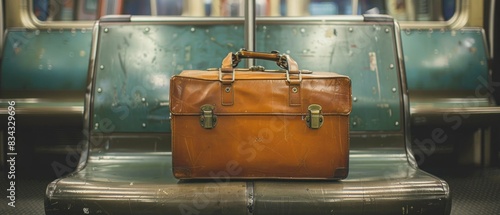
(254, 123)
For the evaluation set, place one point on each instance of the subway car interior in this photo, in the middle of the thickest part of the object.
(86, 125)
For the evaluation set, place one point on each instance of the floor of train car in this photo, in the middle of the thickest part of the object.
(474, 190)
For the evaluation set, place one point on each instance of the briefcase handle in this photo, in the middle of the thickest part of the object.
(282, 60)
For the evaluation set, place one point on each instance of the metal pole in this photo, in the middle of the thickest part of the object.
(355, 4)
(491, 31)
(250, 29)
(154, 8)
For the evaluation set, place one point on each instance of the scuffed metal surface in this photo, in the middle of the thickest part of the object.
(448, 74)
(46, 60)
(45, 72)
(141, 183)
(135, 63)
(444, 59)
(347, 49)
(380, 182)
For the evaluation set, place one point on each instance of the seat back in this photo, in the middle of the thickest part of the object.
(44, 71)
(136, 58)
(44, 62)
(135, 61)
(450, 95)
(447, 68)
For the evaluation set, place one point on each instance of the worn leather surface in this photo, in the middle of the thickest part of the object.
(261, 134)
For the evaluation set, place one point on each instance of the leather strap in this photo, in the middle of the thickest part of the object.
(294, 94)
(227, 63)
(293, 74)
(227, 94)
(227, 91)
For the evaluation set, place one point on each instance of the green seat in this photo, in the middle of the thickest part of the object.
(45, 73)
(450, 92)
(127, 169)
(447, 73)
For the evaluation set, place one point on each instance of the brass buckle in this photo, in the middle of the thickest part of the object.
(208, 119)
(314, 118)
(226, 81)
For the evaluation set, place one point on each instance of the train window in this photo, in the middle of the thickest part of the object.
(402, 10)
(75, 10)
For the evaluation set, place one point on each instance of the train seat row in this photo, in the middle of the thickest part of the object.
(451, 95)
(124, 65)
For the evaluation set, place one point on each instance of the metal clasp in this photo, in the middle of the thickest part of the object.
(224, 81)
(207, 118)
(314, 119)
(290, 80)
